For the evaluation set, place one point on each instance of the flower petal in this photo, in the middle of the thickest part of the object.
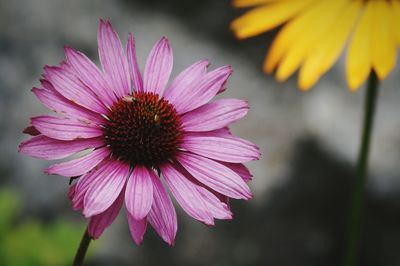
(72, 192)
(221, 132)
(79, 166)
(84, 182)
(102, 193)
(59, 104)
(183, 83)
(326, 13)
(215, 175)
(291, 31)
(162, 215)
(90, 75)
(215, 206)
(383, 42)
(186, 194)
(325, 54)
(137, 228)
(46, 148)
(101, 221)
(136, 76)
(113, 59)
(228, 149)
(248, 3)
(215, 115)
(239, 169)
(204, 90)
(222, 198)
(158, 67)
(396, 19)
(266, 17)
(64, 129)
(359, 61)
(76, 200)
(139, 192)
(69, 86)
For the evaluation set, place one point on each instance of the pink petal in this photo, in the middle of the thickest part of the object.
(203, 91)
(76, 201)
(64, 129)
(133, 64)
(139, 192)
(186, 194)
(162, 215)
(228, 149)
(72, 192)
(113, 59)
(183, 83)
(222, 132)
(79, 166)
(42, 147)
(90, 75)
(102, 193)
(69, 86)
(240, 169)
(218, 209)
(59, 104)
(215, 175)
(84, 182)
(137, 228)
(214, 115)
(215, 202)
(101, 221)
(223, 88)
(222, 198)
(158, 67)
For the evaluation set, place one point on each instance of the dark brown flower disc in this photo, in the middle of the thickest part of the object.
(143, 129)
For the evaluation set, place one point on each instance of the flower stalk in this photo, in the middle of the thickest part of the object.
(356, 211)
(82, 249)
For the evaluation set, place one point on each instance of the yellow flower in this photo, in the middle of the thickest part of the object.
(317, 31)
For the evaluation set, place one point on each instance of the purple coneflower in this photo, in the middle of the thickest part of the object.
(136, 130)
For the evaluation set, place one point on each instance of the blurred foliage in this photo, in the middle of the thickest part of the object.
(31, 242)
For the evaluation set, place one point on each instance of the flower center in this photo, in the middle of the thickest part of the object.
(143, 129)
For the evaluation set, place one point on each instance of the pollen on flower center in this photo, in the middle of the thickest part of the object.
(143, 129)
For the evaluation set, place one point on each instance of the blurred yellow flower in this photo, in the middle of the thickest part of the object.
(317, 31)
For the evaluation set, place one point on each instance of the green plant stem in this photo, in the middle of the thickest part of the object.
(356, 215)
(83, 246)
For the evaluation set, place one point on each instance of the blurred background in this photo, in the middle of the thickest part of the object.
(308, 140)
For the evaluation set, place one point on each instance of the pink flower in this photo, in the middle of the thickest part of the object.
(133, 128)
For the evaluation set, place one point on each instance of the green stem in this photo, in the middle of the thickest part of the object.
(356, 215)
(83, 246)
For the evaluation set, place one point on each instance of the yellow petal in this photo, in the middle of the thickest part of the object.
(358, 61)
(383, 42)
(396, 19)
(284, 39)
(318, 19)
(266, 17)
(248, 3)
(328, 48)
